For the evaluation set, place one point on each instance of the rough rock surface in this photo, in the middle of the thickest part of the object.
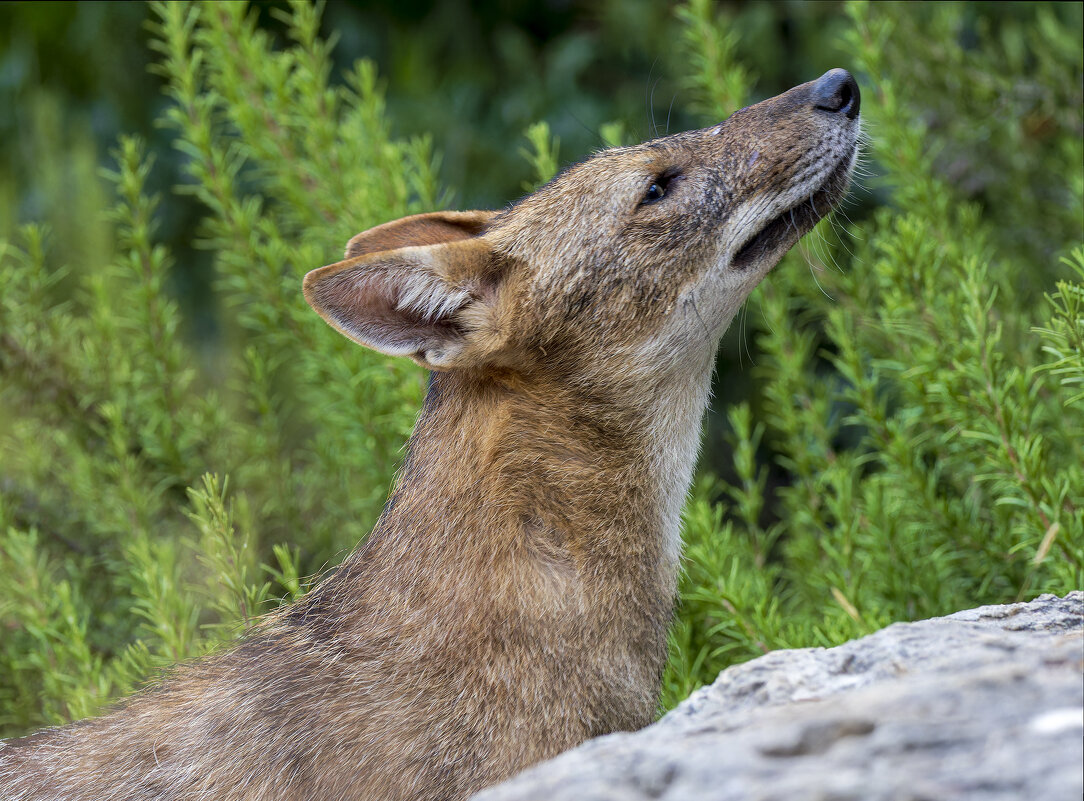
(983, 704)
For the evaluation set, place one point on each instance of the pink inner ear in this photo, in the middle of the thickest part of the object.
(395, 311)
(421, 229)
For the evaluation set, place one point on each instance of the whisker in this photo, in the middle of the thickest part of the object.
(741, 333)
(767, 325)
(696, 311)
(823, 250)
(842, 235)
(818, 283)
(649, 100)
(745, 335)
(831, 257)
(651, 106)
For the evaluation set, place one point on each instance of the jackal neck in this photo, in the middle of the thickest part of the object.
(536, 487)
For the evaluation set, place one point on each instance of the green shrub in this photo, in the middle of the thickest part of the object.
(115, 566)
(917, 405)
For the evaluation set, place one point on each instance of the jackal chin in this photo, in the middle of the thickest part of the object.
(778, 234)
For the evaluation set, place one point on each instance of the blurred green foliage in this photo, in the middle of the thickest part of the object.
(112, 417)
(914, 440)
(907, 442)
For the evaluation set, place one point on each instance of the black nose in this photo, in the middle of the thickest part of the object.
(837, 91)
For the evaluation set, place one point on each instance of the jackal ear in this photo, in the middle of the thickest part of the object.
(411, 288)
(435, 228)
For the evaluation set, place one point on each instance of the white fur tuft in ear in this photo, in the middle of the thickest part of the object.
(430, 297)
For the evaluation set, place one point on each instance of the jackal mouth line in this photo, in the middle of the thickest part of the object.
(787, 228)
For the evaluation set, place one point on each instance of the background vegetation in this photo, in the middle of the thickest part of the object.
(899, 424)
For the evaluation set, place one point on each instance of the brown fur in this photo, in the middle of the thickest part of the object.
(514, 598)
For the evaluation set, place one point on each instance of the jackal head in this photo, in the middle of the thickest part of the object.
(633, 261)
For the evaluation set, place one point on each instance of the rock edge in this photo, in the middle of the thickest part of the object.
(984, 704)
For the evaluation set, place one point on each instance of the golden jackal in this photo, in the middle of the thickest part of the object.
(514, 598)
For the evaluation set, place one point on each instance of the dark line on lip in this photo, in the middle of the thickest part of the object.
(775, 229)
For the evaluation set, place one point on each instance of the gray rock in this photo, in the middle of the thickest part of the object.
(984, 704)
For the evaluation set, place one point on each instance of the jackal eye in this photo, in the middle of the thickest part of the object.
(660, 186)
